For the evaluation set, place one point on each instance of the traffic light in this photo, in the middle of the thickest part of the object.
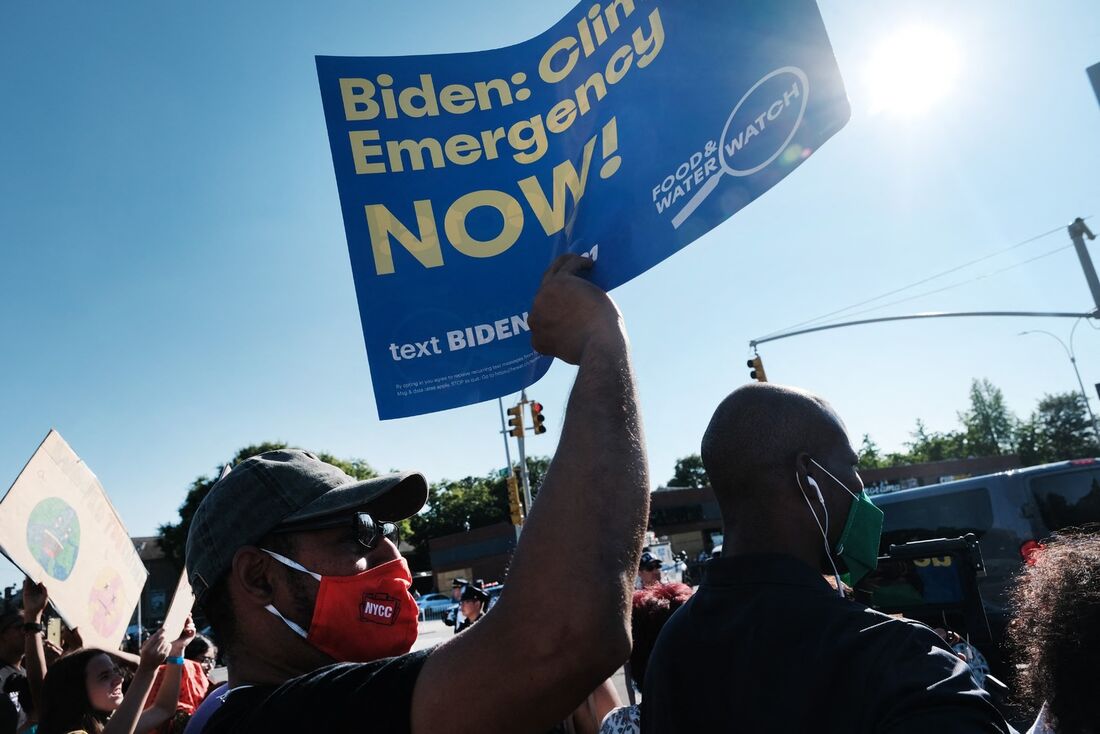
(757, 366)
(537, 418)
(515, 509)
(515, 421)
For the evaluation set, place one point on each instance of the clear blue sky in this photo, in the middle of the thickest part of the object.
(175, 280)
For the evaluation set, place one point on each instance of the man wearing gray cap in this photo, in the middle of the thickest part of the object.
(292, 562)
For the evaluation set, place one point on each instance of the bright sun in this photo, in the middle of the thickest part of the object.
(912, 70)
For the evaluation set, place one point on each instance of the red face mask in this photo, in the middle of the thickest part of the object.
(360, 618)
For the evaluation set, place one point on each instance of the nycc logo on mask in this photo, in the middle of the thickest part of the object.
(380, 608)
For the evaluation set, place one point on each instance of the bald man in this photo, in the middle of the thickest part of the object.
(766, 644)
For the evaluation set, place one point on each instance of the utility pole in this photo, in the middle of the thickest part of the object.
(504, 435)
(523, 458)
(1077, 232)
(510, 475)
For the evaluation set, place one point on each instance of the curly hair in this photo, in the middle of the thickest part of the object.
(652, 607)
(1055, 632)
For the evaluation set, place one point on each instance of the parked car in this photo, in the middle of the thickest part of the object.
(494, 593)
(1010, 512)
(435, 605)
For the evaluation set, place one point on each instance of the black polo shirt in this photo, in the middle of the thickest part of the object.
(345, 697)
(766, 645)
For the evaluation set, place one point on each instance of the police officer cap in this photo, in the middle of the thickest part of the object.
(648, 561)
(474, 593)
(458, 583)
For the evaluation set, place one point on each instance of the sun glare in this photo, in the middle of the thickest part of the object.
(911, 71)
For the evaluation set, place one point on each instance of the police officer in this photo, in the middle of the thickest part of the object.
(472, 605)
(649, 570)
(454, 616)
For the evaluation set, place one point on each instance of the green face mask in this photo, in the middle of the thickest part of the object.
(859, 541)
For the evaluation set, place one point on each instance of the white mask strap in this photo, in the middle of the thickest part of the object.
(291, 564)
(842, 484)
(289, 623)
(294, 626)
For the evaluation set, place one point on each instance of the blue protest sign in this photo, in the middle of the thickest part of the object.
(624, 132)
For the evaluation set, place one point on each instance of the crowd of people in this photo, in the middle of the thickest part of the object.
(60, 689)
(310, 603)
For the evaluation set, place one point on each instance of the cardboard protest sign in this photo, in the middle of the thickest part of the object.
(623, 133)
(59, 528)
(182, 602)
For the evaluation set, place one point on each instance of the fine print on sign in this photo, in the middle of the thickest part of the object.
(59, 528)
(623, 133)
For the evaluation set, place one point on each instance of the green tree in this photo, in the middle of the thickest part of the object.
(465, 504)
(1059, 429)
(935, 446)
(689, 472)
(989, 426)
(869, 455)
(174, 535)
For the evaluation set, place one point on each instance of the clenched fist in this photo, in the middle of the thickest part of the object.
(570, 314)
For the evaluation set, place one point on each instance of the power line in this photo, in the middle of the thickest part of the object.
(948, 287)
(922, 281)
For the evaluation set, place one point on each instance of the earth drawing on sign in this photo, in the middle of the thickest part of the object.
(105, 602)
(53, 536)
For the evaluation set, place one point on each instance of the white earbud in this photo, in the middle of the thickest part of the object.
(813, 483)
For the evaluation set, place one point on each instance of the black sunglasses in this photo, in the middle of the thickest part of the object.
(367, 531)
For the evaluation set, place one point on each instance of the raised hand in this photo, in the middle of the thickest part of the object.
(35, 599)
(181, 642)
(155, 650)
(570, 313)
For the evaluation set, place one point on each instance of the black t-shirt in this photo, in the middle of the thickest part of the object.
(766, 645)
(345, 697)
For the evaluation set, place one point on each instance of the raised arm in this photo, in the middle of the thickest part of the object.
(125, 719)
(167, 696)
(35, 599)
(542, 656)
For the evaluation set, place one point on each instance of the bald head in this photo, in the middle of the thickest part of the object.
(757, 434)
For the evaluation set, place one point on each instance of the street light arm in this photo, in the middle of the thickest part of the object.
(1055, 337)
(1077, 372)
(1072, 352)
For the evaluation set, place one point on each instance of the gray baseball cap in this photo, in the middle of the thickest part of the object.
(277, 487)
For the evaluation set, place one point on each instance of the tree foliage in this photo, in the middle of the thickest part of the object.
(689, 472)
(935, 446)
(174, 535)
(988, 426)
(1058, 429)
(870, 456)
(455, 506)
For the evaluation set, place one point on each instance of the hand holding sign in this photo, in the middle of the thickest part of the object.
(154, 651)
(570, 312)
(186, 635)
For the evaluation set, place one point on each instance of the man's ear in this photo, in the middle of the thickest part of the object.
(803, 470)
(251, 572)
